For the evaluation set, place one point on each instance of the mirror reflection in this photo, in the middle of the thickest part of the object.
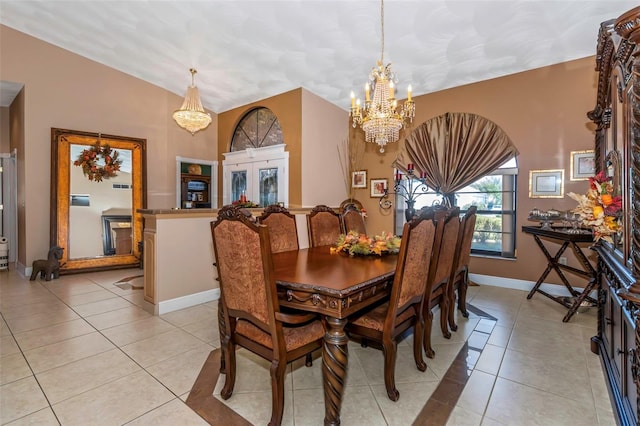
(98, 188)
(100, 212)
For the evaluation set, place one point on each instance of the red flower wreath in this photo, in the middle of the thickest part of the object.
(88, 160)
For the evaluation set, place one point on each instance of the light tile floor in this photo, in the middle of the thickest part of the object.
(80, 350)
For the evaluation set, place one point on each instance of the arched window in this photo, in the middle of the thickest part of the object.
(468, 159)
(256, 169)
(495, 197)
(257, 129)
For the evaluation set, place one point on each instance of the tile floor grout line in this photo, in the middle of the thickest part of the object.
(507, 334)
(33, 374)
(433, 401)
(109, 340)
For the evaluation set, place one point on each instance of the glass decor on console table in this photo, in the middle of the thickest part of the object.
(410, 191)
(546, 218)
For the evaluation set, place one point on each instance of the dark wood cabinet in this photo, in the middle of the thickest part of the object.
(617, 153)
(195, 190)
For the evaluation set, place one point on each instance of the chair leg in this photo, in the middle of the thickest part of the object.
(229, 353)
(278, 369)
(390, 349)
(308, 360)
(428, 321)
(418, 335)
(221, 330)
(462, 294)
(444, 315)
(451, 292)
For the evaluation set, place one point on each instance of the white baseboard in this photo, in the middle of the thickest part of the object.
(24, 271)
(553, 289)
(187, 301)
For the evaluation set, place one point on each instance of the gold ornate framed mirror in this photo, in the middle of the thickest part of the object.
(97, 186)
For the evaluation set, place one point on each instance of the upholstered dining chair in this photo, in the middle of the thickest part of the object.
(324, 226)
(386, 323)
(437, 289)
(459, 279)
(283, 232)
(251, 311)
(352, 220)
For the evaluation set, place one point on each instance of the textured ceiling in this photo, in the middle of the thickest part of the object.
(245, 51)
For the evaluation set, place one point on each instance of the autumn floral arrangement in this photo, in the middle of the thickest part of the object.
(360, 244)
(600, 209)
(89, 161)
(246, 204)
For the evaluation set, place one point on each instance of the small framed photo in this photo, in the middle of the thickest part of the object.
(378, 187)
(583, 164)
(546, 184)
(359, 179)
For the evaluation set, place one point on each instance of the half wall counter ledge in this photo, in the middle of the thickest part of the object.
(178, 256)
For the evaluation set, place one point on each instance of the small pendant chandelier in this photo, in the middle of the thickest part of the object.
(379, 117)
(191, 115)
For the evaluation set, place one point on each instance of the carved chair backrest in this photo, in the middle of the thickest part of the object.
(445, 252)
(324, 226)
(465, 238)
(412, 269)
(283, 232)
(352, 220)
(245, 270)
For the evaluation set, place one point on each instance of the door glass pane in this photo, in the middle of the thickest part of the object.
(238, 184)
(268, 186)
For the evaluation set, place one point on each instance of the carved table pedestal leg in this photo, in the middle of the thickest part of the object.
(334, 368)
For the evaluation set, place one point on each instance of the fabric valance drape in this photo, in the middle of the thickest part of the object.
(454, 150)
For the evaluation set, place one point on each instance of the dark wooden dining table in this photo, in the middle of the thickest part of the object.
(336, 286)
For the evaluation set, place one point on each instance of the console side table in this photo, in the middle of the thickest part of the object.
(565, 239)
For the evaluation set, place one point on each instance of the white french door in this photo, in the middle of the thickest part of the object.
(258, 175)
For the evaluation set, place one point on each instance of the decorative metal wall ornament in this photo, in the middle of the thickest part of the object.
(414, 188)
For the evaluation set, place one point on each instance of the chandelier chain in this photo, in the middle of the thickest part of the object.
(382, 30)
(380, 116)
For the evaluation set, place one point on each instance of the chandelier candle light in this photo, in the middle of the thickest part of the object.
(191, 115)
(414, 188)
(379, 117)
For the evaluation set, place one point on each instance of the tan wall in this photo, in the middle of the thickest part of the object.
(288, 108)
(312, 128)
(324, 127)
(544, 112)
(68, 91)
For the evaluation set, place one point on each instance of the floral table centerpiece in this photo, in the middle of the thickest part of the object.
(599, 209)
(245, 204)
(360, 244)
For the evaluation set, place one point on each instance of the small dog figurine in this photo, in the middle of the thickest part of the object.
(49, 268)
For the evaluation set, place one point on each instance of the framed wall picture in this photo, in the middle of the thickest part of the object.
(378, 187)
(583, 164)
(359, 179)
(546, 184)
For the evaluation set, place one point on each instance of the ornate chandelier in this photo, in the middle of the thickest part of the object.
(191, 115)
(379, 117)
